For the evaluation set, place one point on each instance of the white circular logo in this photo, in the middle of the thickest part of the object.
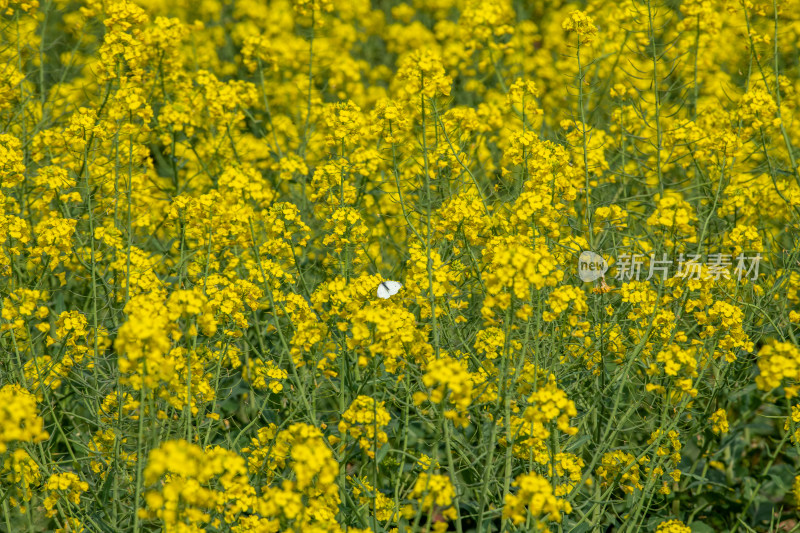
(591, 266)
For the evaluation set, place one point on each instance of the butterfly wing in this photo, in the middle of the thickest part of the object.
(388, 288)
(394, 286)
(383, 290)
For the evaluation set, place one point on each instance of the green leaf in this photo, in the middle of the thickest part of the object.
(701, 527)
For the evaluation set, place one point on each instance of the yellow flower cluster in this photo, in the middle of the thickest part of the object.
(433, 491)
(719, 422)
(105, 448)
(463, 217)
(669, 447)
(188, 485)
(490, 342)
(559, 301)
(551, 404)
(424, 75)
(535, 497)
(568, 468)
(796, 489)
(515, 270)
(265, 375)
(65, 486)
(367, 495)
(643, 300)
(344, 122)
(674, 218)
(365, 421)
(725, 320)
(673, 526)
(19, 418)
(622, 467)
(21, 475)
(679, 365)
(529, 439)
(523, 95)
(21, 306)
(779, 364)
(382, 332)
(757, 109)
(451, 385)
(582, 24)
(311, 499)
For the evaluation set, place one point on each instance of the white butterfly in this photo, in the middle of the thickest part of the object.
(388, 288)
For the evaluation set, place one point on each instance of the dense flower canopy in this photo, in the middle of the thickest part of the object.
(199, 200)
